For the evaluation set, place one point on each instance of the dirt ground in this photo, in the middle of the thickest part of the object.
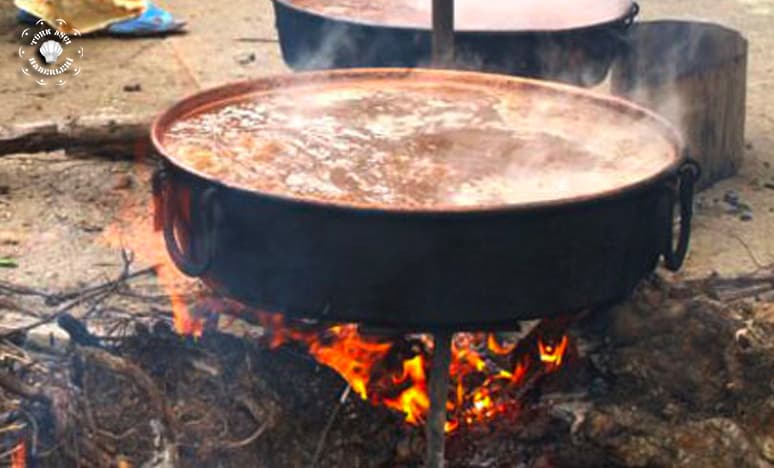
(221, 45)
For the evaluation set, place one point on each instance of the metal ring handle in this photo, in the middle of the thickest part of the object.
(621, 37)
(687, 175)
(632, 15)
(166, 209)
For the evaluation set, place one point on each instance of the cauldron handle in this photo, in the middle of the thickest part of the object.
(687, 175)
(632, 15)
(165, 219)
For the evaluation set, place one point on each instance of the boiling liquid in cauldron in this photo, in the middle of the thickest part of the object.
(409, 144)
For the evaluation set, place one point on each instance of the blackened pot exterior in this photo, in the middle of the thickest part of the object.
(421, 271)
(583, 56)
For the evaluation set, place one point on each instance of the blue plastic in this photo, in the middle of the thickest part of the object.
(152, 21)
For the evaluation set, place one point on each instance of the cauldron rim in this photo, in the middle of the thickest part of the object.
(229, 92)
(613, 19)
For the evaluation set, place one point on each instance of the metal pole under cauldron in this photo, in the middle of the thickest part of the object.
(443, 57)
(438, 391)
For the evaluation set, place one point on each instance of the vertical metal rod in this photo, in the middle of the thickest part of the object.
(443, 33)
(439, 393)
(443, 56)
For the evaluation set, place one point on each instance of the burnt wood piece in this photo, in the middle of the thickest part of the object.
(105, 134)
(727, 295)
(695, 74)
(580, 56)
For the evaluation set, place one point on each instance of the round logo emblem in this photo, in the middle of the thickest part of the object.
(48, 55)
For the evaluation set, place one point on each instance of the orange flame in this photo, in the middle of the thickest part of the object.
(350, 356)
(414, 401)
(19, 456)
(520, 371)
(494, 346)
(480, 387)
(552, 355)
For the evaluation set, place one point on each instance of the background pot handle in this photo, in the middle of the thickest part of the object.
(632, 15)
(687, 175)
(165, 218)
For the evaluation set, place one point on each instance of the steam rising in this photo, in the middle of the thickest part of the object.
(662, 62)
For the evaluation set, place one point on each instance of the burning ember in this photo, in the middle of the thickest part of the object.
(488, 377)
(19, 456)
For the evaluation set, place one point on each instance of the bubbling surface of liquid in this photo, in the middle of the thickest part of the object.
(414, 144)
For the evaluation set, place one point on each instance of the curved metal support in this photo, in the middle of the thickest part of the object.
(687, 175)
(166, 219)
(633, 12)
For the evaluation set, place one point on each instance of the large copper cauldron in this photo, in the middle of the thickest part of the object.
(576, 232)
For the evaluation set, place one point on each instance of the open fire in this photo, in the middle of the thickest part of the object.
(488, 376)
(489, 373)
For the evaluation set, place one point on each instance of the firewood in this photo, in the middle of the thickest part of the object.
(92, 131)
(735, 294)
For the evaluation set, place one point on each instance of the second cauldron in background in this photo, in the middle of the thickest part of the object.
(573, 42)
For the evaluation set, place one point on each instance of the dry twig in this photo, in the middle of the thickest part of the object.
(97, 293)
(137, 376)
(324, 435)
(252, 409)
